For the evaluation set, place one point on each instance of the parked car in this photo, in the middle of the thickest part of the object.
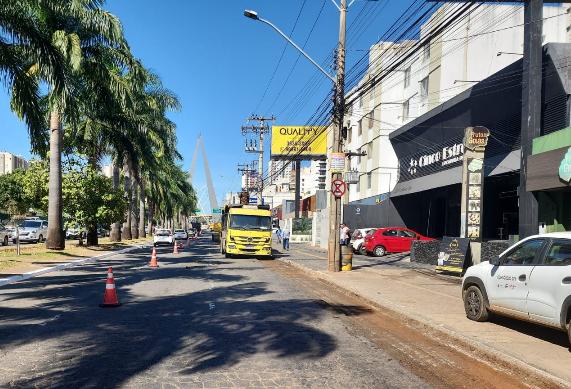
(358, 239)
(391, 240)
(32, 230)
(531, 281)
(163, 236)
(72, 233)
(5, 235)
(180, 234)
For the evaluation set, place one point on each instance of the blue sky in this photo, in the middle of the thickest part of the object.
(218, 63)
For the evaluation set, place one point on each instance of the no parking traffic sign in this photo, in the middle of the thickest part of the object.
(338, 188)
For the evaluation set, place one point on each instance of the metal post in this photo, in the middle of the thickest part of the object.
(297, 187)
(334, 249)
(530, 111)
(261, 164)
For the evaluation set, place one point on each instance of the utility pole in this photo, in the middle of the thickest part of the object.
(261, 129)
(334, 249)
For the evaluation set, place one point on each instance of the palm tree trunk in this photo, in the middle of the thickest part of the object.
(92, 238)
(115, 235)
(135, 213)
(56, 238)
(126, 233)
(142, 233)
(151, 216)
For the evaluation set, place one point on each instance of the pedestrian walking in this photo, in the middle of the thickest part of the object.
(279, 234)
(285, 239)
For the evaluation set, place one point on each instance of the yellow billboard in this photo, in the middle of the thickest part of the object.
(299, 141)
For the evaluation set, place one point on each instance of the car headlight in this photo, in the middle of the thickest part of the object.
(231, 246)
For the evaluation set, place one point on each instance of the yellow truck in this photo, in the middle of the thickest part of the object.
(246, 230)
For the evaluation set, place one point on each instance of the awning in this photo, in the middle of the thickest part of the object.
(431, 181)
(494, 166)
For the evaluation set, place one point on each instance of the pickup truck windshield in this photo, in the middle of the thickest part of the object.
(250, 222)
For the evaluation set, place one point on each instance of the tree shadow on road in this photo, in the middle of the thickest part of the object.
(82, 345)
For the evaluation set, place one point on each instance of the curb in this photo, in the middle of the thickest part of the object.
(62, 266)
(443, 331)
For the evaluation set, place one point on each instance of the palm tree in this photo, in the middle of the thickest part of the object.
(52, 45)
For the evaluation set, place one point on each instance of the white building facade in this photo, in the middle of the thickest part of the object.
(10, 162)
(488, 40)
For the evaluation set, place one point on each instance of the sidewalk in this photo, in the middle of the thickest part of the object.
(416, 292)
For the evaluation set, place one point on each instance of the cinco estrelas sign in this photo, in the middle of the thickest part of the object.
(565, 167)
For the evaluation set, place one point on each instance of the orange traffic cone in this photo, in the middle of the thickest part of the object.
(154, 262)
(175, 251)
(110, 297)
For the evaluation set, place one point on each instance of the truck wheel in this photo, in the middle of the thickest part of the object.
(474, 304)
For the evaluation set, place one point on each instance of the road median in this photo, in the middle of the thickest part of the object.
(33, 260)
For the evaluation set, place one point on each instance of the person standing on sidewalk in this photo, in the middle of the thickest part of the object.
(279, 234)
(285, 239)
(343, 234)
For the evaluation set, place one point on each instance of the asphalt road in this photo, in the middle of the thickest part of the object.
(200, 320)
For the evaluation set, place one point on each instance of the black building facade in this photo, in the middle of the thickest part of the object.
(430, 151)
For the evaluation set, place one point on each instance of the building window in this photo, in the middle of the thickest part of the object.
(426, 52)
(424, 87)
(360, 127)
(369, 180)
(370, 151)
(371, 119)
(407, 77)
(406, 109)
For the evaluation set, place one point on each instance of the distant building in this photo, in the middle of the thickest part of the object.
(312, 178)
(10, 162)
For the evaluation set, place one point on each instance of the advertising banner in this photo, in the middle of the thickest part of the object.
(454, 254)
(303, 142)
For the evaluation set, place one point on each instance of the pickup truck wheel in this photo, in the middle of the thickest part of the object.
(379, 251)
(474, 304)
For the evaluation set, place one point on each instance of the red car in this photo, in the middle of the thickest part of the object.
(391, 240)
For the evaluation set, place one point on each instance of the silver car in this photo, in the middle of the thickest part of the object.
(32, 230)
(5, 235)
(180, 234)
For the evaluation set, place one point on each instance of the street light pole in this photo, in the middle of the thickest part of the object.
(334, 248)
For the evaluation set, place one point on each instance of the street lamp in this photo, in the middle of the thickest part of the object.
(251, 14)
(254, 16)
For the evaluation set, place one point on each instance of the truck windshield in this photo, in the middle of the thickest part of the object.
(250, 222)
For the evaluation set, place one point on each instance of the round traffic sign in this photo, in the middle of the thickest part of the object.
(338, 188)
